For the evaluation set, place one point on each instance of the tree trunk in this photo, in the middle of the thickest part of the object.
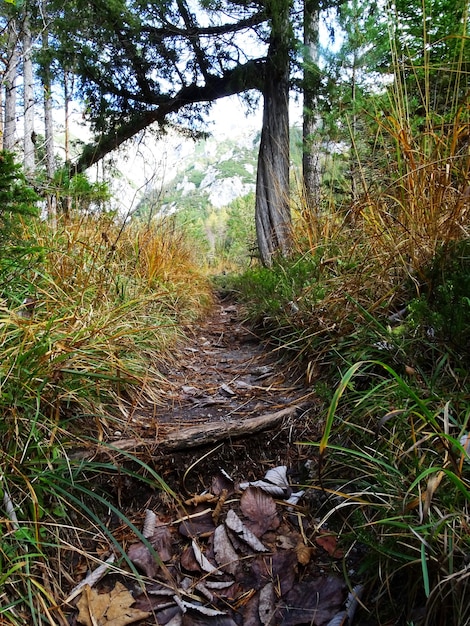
(28, 78)
(49, 134)
(311, 146)
(11, 75)
(272, 211)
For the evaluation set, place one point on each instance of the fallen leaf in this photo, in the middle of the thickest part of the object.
(227, 389)
(160, 540)
(266, 607)
(204, 563)
(222, 482)
(199, 608)
(260, 509)
(188, 560)
(108, 609)
(195, 526)
(304, 553)
(274, 482)
(329, 543)
(235, 524)
(314, 602)
(279, 568)
(142, 558)
(224, 552)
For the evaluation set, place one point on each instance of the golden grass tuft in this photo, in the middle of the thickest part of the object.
(110, 304)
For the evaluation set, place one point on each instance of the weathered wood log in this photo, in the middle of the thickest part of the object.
(211, 432)
(199, 435)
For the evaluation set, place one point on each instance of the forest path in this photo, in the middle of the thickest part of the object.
(238, 510)
(224, 372)
(224, 383)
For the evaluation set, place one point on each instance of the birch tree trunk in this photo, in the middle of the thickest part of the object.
(272, 210)
(11, 76)
(311, 147)
(28, 78)
(49, 135)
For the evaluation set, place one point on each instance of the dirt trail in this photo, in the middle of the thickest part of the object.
(225, 384)
(225, 372)
(234, 553)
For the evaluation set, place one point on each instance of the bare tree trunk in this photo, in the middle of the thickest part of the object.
(28, 78)
(353, 163)
(272, 210)
(11, 75)
(49, 135)
(311, 145)
(68, 90)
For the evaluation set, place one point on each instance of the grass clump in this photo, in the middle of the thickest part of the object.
(106, 303)
(398, 487)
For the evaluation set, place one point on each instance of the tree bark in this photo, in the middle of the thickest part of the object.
(28, 78)
(200, 435)
(272, 210)
(11, 75)
(49, 134)
(311, 148)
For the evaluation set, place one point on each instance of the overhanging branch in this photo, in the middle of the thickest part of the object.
(238, 80)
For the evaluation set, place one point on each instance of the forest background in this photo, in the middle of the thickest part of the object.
(357, 236)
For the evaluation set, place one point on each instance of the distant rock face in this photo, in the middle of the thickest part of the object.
(223, 192)
(173, 173)
(216, 170)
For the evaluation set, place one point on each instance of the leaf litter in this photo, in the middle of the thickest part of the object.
(234, 553)
(251, 567)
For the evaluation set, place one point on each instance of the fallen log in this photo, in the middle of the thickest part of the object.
(209, 433)
(199, 435)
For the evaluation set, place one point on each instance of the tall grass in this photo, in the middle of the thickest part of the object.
(107, 305)
(373, 309)
(398, 490)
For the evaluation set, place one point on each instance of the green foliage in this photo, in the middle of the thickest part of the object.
(392, 461)
(17, 197)
(18, 252)
(77, 194)
(443, 309)
(239, 244)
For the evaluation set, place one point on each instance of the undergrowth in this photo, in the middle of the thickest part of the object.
(90, 311)
(373, 308)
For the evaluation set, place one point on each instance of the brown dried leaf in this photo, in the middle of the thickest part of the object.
(161, 541)
(329, 542)
(140, 555)
(200, 499)
(260, 509)
(279, 568)
(188, 560)
(224, 552)
(222, 482)
(108, 609)
(197, 525)
(304, 553)
(313, 602)
(234, 523)
(266, 607)
(205, 564)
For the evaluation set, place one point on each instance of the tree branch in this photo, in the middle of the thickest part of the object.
(240, 79)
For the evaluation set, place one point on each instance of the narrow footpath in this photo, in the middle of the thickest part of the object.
(237, 532)
(225, 387)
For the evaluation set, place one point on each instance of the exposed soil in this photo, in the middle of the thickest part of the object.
(246, 414)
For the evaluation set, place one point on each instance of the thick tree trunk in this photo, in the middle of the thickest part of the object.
(272, 210)
(311, 147)
(28, 78)
(11, 74)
